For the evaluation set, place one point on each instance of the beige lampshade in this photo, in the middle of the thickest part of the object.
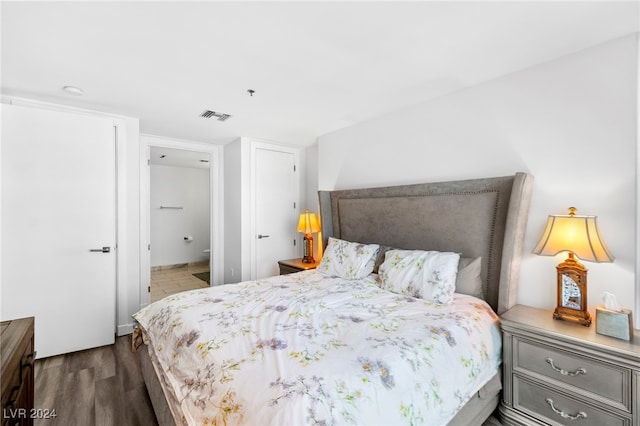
(308, 223)
(576, 234)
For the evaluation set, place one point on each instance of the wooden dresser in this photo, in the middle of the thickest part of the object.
(18, 356)
(560, 372)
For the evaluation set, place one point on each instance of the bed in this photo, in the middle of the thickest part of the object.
(356, 341)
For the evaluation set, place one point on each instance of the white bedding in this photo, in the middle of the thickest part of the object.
(304, 348)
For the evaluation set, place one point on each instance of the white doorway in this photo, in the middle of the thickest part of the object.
(180, 221)
(188, 239)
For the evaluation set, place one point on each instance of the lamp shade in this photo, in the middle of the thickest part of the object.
(308, 223)
(576, 234)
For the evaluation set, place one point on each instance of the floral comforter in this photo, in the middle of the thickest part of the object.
(306, 349)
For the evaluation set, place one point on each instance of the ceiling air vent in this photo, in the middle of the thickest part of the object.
(219, 115)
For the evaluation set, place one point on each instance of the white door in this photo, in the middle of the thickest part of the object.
(58, 213)
(275, 210)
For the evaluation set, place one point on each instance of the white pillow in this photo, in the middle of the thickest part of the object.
(429, 275)
(348, 260)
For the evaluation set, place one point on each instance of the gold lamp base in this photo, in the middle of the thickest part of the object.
(572, 292)
(583, 318)
(308, 249)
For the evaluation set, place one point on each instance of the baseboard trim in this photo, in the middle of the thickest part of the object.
(178, 265)
(124, 329)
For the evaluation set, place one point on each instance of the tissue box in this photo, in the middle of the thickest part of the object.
(614, 324)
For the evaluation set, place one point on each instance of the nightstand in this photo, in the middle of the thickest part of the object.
(290, 266)
(561, 372)
(17, 378)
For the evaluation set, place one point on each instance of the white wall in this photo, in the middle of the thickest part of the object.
(310, 198)
(128, 301)
(570, 122)
(179, 187)
(235, 179)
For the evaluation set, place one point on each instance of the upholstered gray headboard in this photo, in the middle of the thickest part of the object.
(478, 217)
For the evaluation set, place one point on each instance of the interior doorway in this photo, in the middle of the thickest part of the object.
(180, 221)
(182, 229)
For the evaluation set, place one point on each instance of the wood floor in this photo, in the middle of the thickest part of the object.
(101, 386)
(104, 386)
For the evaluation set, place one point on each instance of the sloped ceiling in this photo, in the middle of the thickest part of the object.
(315, 67)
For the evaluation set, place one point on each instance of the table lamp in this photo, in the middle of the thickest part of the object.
(308, 224)
(579, 236)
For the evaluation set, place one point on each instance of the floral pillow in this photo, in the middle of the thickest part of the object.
(429, 275)
(348, 260)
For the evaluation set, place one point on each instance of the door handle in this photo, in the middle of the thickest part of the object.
(101, 250)
(260, 236)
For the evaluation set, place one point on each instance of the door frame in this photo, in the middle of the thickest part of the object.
(216, 236)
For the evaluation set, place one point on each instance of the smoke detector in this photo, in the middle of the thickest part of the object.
(219, 115)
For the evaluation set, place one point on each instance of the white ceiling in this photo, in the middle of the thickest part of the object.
(315, 66)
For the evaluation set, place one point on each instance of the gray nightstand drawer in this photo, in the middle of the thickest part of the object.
(589, 377)
(556, 408)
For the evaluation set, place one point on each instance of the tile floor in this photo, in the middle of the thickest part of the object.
(174, 279)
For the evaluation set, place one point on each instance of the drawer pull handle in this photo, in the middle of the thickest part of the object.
(30, 359)
(564, 372)
(13, 397)
(580, 415)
